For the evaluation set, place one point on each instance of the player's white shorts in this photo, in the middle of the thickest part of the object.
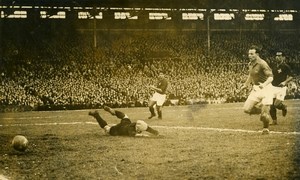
(159, 98)
(280, 92)
(265, 95)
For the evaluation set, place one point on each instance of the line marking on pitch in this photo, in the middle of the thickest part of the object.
(162, 127)
(32, 117)
(141, 112)
(224, 129)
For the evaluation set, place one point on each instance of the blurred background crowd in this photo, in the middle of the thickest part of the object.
(68, 72)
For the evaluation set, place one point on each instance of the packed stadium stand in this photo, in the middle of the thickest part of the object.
(51, 64)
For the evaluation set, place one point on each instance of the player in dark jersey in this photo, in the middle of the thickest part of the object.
(260, 75)
(125, 127)
(282, 75)
(159, 97)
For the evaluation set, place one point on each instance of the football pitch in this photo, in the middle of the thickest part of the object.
(196, 142)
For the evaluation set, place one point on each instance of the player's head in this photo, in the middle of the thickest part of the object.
(253, 52)
(279, 57)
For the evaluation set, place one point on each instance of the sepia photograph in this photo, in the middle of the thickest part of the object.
(150, 89)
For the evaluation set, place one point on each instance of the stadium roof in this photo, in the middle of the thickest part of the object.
(175, 4)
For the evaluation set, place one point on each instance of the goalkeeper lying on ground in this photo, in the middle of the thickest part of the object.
(125, 127)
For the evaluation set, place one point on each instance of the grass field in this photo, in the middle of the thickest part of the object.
(196, 142)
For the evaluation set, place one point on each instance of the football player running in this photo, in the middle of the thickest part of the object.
(282, 76)
(261, 76)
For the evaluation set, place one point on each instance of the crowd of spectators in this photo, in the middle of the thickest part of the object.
(72, 74)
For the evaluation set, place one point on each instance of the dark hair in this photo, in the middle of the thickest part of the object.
(257, 48)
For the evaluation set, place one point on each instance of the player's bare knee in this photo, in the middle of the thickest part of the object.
(151, 104)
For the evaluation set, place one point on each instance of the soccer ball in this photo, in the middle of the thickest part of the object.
(20, 143)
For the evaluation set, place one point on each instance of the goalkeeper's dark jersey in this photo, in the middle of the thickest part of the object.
(124, 128)
(280, 73)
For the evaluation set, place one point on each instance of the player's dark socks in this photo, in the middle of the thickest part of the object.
(273, 112)
(151, 109)
(152, 131)
(99, 119)
(159, 114)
